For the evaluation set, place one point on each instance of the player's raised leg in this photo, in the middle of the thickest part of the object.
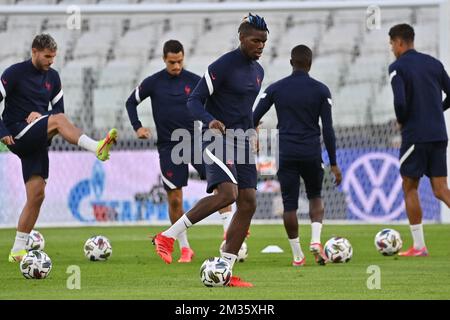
(60, 124)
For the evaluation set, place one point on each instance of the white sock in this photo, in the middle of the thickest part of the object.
(20, 242)
(316, 230)
(231, 258)
(226, 219)
(183, 240)
(87, 143)
(297, 252)
(178, 227)
(417, 234)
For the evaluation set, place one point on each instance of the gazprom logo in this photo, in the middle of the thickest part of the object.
(373, 187)
(84, 190)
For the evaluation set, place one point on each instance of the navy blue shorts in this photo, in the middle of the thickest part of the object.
(175, 176)
(289, 173)
(32, 149)
(428, 158)
(222, 167)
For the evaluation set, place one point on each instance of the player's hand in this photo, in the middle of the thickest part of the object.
(33, 116)
(143, 133)
(399, 126)
(8, 140)
(337, 175)
(254, 140)
(216, 125)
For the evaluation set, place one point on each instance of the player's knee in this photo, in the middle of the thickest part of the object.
(227, 198)
(248, 205)
(37, 196)
(441, 192)
(58, 119)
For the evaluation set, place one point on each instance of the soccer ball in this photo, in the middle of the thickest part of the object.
(242, 254)
(35, 264)
(215, 272)
(338, 249)
(35, 241)
(97, 248)
(388, 242)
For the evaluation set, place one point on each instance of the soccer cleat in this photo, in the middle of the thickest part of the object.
(319, 255)
(164, 247)
(105, 144)
(186, 255)
(17, 256)
(412, 252)
(300, 263)
(238, 282)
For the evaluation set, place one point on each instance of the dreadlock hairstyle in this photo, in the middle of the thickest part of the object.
(252, 22)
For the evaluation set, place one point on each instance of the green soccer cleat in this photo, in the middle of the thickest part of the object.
(105, 144)
(17, 256)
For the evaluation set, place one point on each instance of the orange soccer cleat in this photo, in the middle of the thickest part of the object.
(164, 247)
(186, 255)
(238, 282)
(412, 252)
(317, 250)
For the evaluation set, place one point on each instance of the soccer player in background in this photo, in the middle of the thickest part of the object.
(28, 127)
(169, 90)
(230, 87)
(417, 82)
(300, 102)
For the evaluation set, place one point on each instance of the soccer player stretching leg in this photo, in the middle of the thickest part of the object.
(28, 127)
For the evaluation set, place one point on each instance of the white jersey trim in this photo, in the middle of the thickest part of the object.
(29, 126)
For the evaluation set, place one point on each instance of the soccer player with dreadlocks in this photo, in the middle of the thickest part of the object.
(230, 87)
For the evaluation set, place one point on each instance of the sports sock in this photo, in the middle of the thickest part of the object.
(297, 252)
(87, 143)
(316, 230)
(229, 257)
(178, 227)
(20, 241)
(226, 219)
(418, 237)
(183, 240)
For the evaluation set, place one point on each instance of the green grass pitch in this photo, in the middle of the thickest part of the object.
(135, 272)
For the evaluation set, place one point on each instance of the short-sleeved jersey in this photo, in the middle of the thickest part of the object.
(26, 89)
(168, 95)
(417, 82)
(230, 87)
(300, 101)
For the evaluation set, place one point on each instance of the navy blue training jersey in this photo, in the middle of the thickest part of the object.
(299, 102)
(230, 87)
(169, 95)
(26, 89)
(417, 82)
